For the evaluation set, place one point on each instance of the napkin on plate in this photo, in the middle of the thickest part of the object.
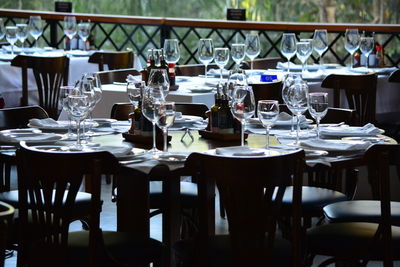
(117, 151)
(335, 145)
(130, 78)
(345, 130)
(29, 138)
(239, 151)
(48, 122)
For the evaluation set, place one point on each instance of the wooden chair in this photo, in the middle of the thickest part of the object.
(363, 230)
(52, 193)
(108, 77)
(264, 91)
(50, 73)
(6, 214)
(192, 70)
(360, 91)
(252, 189)
(114, 60)
(262, 63)
(395, 76)
(121, 111)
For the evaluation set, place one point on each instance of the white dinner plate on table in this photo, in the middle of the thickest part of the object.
(172, 158)
(32, 138)
(79, 53)
(61, 126)
(187, 119)
(104, 122)
(199, 90)
(7, 57)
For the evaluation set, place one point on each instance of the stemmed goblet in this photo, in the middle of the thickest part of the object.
(78, 106)
(318, 107)
(206, 52)
(320, 44)
(236, 78)
(11, 36)
(267, 113)
(171, 51)
(352, 43)
(164, 116)
(221, 59)
(243, 106)
(22, 33)
(238, 53)
(158, 78)
(303, 52)
(288, 46)
(66, 91)
(253, 48)
(366, 47)
(84, 32)
(35, 28)
(70, 29)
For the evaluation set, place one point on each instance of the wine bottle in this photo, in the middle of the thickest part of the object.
(225, 117)
(214, 113)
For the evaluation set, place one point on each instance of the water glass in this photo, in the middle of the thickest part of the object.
(66, 91)
(158, 78)
(164, 116)
(243, 106)
(221, 59)
(22, 33)
(70, 28)
(236, 78)
(171, 51)
(134, 93)
(288, 46)
(206, 52)
(267, 113)
(303, 52)
(11, 36)
(35, 28)
(238, 53)
(253, 47)
(318, 107)
(78, 106)
(366, 47)
(320, 44)
(84, 32)
(351, 43)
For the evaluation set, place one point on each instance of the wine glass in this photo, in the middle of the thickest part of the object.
(78, 106)
(267, 113)
(65, 91)
(158, 78)
(84, 32)
(320, 44)
(288, 46)
(303, 52)
(238, 54)
(253, 48)
(134, 93)
(366, 46)
(35, 28)
(243, 106)
(352, 43)
(221, 59)
(70, 28)
(22, 33)
(164, 116)
(288, 81)
(2, 29)
(151, 96)
(11, 36)
(171, 51)
(237, 77)
(318, 107)
(206, 52)
(298, 102)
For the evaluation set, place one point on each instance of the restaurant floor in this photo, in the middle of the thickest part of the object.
(108, 222)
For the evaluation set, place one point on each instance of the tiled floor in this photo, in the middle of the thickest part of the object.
(108, 222)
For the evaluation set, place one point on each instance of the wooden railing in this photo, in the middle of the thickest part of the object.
(141, 33)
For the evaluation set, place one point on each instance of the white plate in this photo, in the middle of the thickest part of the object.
(7, 57)
(346, 131)
(79, 53)
(201, 90)
(172, 158)
(22, 130)
(311, 153)
(62, 126)
(31, 138)
(136, 153)
(187, 118)
(104, 121)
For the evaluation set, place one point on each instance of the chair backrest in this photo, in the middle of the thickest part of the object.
(114, 60)
(51, 181)
(395, 76)
(270, 91)
(360, 91)
(262, 63)
(6, 214)
(194, 109)
(379, 158)
(251, 189)
(50, 73)
(193, 69)
(19, 117)
(108, 77)
(121, 111)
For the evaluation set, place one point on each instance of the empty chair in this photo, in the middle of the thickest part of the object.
(362, 230)
(246, 186)
(395, 76)
(360, 92)
(108, 77)
(262, 63)
(193, 69)
(6, 213)
(272, 90)
(44, 236)
(121, 111)
(50, 73)
(114, 60)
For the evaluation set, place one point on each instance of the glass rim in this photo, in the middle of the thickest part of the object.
(268, 101)
(318, 93)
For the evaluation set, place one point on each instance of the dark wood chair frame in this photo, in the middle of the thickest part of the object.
(114, 60)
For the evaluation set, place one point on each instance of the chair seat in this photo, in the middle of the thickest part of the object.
(360, 211)
(313, 198)
(188, 195)
(344, 240)
(123, 247)
(220, 254)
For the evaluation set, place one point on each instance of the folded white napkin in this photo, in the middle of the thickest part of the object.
(117, 151)
(48, 122)
(29, 138)
(239, 151)
(345, 130)
(334, 145)
(178, 115)
(218, 72)
(134, 79)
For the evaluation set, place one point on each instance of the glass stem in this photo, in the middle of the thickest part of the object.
(288, 68)
(252, 63)
(12, 49)
(351, 60)
(205, 70)
(242, 134)
(267, 138)
(69, 126)
(165, 134)
(154, 136)
(36, 42)
(220, 75)
(78, 134)
(320, 62)
(292, 125)
(298, 129)
(318, 119)
(367, 63)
